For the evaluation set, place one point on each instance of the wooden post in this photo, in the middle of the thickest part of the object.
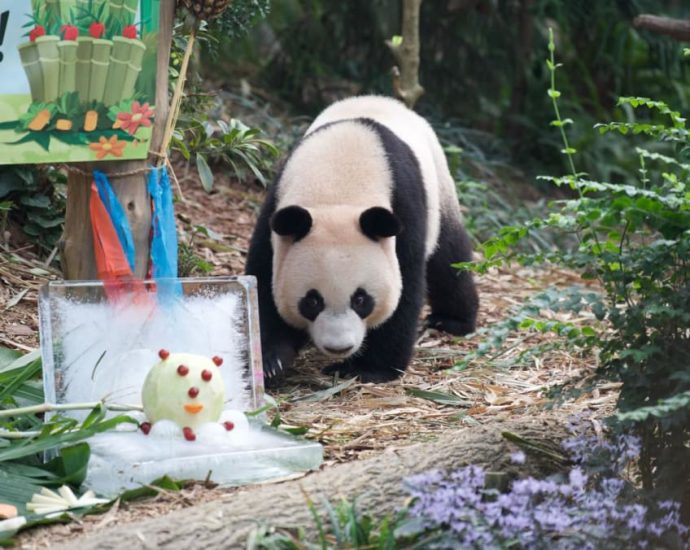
(406, 75)
(77, 244)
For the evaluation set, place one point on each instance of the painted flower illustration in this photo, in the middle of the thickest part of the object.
(140, 116)
(106, 147)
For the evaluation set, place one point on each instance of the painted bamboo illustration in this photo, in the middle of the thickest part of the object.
(124, 11)
(71, 10)
(100, 61)
(28, 53)
(49, 64)
(150, 17)
(52, 14)
(84, 52)
(68, 66)
(68, 10)
(90, 67)
(98, 69)
(125, 65)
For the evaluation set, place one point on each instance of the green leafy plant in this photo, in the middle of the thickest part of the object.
(188, 261)
(528, 320)
(345, 528)
(231, 144)
(26, 433)
(35, 201)
(633, 238)
(240, 16)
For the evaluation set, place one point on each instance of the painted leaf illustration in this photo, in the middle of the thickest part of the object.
(36, 110)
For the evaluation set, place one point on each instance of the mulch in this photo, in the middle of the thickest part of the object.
(352, 420)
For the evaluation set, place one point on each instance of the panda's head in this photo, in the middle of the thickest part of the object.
(335, 272)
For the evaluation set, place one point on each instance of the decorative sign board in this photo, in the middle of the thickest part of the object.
(78, 79)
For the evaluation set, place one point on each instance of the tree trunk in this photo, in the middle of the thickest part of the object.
(523, 50)
(678, 29)
(375, 482)
(77, 243)
(406, 75)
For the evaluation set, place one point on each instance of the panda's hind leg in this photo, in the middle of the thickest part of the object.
(452, 293)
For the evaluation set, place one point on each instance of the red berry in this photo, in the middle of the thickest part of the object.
(38, 30)
(69, 32)
(189, 434)
(145, 427)
(206, 375)
(193, 392)
(96, 30)
(130, 31)
(229, 426)
(183, 370)
(164, 354)
(217, 360)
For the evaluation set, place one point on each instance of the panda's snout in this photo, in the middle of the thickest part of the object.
(339, 351)
(338, 335)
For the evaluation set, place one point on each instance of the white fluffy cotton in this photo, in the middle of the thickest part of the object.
(104, 350)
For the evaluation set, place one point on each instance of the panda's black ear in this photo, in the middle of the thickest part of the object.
(291, 221)
(378, 222)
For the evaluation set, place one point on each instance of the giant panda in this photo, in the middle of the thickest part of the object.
(362, 221)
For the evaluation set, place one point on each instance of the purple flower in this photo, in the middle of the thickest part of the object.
(518, 457)
(577, 478)
(583, 511)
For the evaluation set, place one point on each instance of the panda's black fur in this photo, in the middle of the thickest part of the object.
(388, 348)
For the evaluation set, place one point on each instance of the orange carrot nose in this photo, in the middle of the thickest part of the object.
(193, 408)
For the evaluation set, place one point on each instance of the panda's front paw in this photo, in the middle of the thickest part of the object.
(366, 373)
(277, 360)
(273, 369)
(450, 325)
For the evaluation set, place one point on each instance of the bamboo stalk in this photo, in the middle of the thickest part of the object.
(125, 65)
(49, 62)
(100, 62)
(177, 98)
(4, 434)
(68, 66)
(56, 407)
(28, 53)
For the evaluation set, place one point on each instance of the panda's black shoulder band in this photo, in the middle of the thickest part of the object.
(378, 222)
(292, 221)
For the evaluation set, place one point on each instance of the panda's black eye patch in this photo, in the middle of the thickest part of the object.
(362, 303)
(311, 305)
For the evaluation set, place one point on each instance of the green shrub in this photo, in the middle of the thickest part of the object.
(34, 200)
(633, 237)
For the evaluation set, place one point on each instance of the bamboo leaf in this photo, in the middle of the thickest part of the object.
(8, 356)
(152, 489)
(327, 393)
(21, 362)
(438, 397)
(71, 465)
(16, 488)
(204, 173)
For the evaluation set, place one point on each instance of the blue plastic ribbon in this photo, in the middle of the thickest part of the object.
(117, 215)
(164, 236)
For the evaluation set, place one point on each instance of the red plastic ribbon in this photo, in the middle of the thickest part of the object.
(112, 266)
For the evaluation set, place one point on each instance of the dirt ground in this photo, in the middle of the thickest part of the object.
(358, 420)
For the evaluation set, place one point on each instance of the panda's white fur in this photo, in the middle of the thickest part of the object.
(419, 136)
(336, 184)
(341, 169)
